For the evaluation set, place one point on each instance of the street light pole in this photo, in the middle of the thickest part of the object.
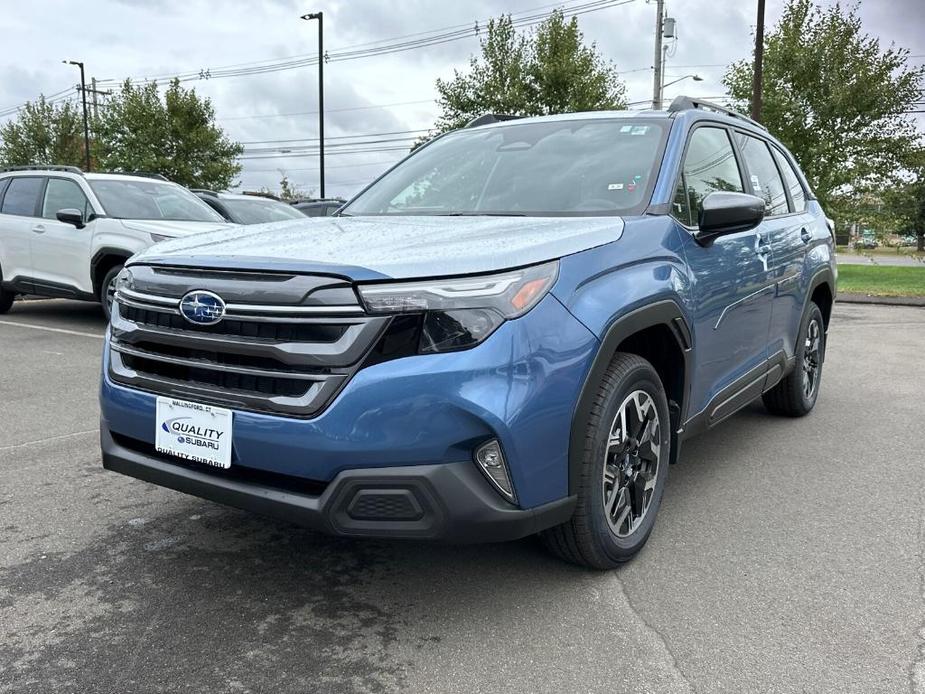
(320, 17)
(83, 94)
(696, 78)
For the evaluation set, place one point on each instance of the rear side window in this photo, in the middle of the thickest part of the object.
(21, 196)
(709, 166)
(797, 194)
(61, 194)
(762, 171)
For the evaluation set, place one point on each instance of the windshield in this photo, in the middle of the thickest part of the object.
(145, 199)
(574, 167)
(259, 210)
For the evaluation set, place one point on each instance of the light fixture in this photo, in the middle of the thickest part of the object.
(490, 460)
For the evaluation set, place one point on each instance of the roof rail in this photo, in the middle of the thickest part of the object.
(145, 174)
(487, 118)
(204, 191)
(43, 167)
(261, 194)
(684, 103)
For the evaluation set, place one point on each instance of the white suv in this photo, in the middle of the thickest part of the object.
(66, 234)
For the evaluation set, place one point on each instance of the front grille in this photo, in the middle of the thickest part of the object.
(289, 357)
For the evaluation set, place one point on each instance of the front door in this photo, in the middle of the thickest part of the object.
(60, 251)
(731, 287)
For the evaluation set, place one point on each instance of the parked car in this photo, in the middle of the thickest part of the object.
(907, 241)
(319, 208)
(248, 209)
(65, 233)
(513, 331)
(866, 243)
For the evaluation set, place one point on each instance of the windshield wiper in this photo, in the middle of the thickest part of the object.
(481, 214)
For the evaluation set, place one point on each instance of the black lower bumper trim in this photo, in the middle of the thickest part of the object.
(448, 501)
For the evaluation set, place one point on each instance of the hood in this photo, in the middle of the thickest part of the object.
(173, 229)
(385, 247)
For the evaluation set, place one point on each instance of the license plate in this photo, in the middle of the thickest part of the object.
(191, 431)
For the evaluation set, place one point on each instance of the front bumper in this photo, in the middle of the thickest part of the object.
(446, 501)
(520, 386)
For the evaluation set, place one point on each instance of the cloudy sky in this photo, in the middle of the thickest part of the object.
(372, 101)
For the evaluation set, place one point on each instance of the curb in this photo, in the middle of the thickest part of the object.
(848, 298)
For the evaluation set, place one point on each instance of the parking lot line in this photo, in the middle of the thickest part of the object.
(35, 442)
(51, 330)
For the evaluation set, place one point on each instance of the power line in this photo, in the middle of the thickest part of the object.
(328, 110)
(338, 137)
(398, 44)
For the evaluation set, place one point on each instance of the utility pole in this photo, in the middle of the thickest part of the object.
(83, 93)
(758, 73)
(657, 82)
(320, 17)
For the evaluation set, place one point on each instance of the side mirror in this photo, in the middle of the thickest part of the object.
(724, 213)
(70, 215)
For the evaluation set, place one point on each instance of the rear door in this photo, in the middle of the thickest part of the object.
(18, 216)
(731, 283)
(61, 251)
(786, 228)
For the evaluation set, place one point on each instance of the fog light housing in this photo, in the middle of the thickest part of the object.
(491, 462)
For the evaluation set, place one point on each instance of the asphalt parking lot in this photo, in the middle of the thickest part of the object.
(788, 557)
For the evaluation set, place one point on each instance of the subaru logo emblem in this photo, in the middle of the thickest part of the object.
(202, 308)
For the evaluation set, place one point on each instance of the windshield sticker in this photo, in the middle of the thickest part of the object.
(615, 186)
(626, 128)
(756, 184)
(639, 130)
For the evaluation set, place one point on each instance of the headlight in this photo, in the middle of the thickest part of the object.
(125, 280)
(461, 312)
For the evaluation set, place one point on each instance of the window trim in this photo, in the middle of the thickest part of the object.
(796, 175)
(79, 187)
(679, 175)
(36, 210)
(5, 180)
(790, 208)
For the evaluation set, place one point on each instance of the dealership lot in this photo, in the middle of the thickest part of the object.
(787, 557)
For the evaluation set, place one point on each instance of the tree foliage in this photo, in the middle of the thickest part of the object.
(548, 70)
(43, 133)
(175, 136)
(836, 99)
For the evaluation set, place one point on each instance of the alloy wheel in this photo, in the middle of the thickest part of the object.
(631, 463)
(812, 358)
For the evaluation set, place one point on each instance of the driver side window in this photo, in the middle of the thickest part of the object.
(709, 166)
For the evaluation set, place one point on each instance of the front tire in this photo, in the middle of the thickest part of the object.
(796, 394)
(623, 469)
(108, 290)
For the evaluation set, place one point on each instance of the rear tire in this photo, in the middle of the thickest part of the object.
(795, 395)
(6, 301)
(623, 469)
(108, 290)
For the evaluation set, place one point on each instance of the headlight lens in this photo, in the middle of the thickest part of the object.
(125, 280)
(461, 312)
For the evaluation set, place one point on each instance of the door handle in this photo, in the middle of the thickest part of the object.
(805, 235)
(39, 228)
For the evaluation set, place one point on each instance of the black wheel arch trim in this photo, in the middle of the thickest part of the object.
(99, 256)
(666, 312)
(821, 276)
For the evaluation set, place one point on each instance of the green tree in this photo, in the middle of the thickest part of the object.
(43, 133)
(175, 136)
(836, 99)
(548, 70)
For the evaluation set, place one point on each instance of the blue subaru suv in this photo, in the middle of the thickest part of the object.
(510, 332)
